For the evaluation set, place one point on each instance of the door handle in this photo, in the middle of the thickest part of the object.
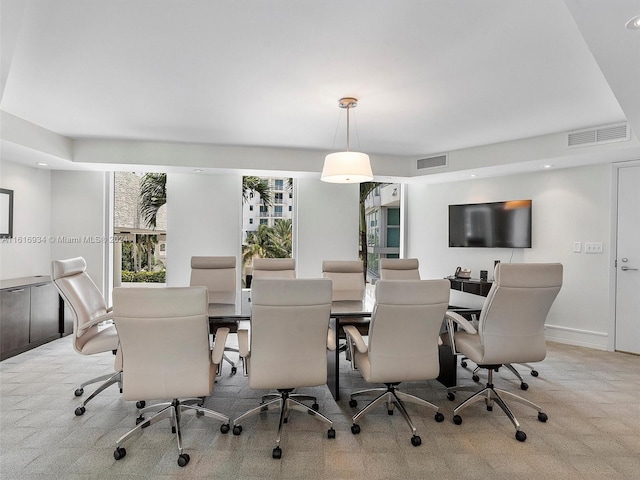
(624, 268)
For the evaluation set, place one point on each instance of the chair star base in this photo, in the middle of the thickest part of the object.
(173, 411)
(490, 394)
(286, 401)
(107, 380)
(391, 396)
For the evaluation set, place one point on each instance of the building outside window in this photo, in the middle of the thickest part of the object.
(382, 213)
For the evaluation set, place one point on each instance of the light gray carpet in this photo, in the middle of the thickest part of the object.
(591, 398)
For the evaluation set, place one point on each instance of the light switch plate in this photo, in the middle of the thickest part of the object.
(592, 247)
(577, 247)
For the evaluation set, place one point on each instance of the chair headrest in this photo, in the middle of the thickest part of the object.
(399, 263)
(66, 268)
(213, 262)
(412, 292)
(274, 264)
(347, 266)
(290, 291)
(528, 275)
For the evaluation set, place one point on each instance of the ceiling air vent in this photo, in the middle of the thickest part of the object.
(432, 162)
(614, 133)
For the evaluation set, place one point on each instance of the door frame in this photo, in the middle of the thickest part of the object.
(613, 245)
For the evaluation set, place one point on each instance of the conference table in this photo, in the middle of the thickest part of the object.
(346, 312)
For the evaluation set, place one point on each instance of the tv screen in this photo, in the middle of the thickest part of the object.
(497, 224)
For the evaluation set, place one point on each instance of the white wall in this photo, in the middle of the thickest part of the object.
(568, 205)
(326, 224)
(78, 220)
(204, 217)
(28, 253)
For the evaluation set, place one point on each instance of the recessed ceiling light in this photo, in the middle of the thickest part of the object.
(634, 23)
(473, 175)
(42, 164)
(198, 170)
(547, 166)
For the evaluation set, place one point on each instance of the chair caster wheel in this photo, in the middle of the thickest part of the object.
(80, 411)
(183, 459)
(355, 429)
(224, 428)
(475, 378)
(416, 441)
(389, 412)
(524, 386)
(521, 436)
(234, 370)
(457, 419)
(315, 407)
(78, 392)
(173, 429)
(237, 429)
(451, 396)
(353, 403)
(139, 420)
(489, 408)
(331, 433)
(534, 373)
(463, 364)
(119, 453)
(542, 417)
(141, 404)
(439, 417)
(277, 453)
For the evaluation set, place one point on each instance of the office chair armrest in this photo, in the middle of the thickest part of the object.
(460, 320)
(218, 345)
(331, 340)
(451, 318)
(95, 321)
(243, 342)
(353, 336)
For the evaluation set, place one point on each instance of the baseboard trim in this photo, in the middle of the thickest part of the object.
(574, 336)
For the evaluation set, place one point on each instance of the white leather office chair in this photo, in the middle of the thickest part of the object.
(510, 330)
(164, 340)
(288, 347)
(347, 279)
(399, 269)
(93, 331)
(274, 268)
(403, 344)
(347, 284)
(218, 274)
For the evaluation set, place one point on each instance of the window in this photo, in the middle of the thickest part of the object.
(273, 236)
(382, 214)
(142, 251)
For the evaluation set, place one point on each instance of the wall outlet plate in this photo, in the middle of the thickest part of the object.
(577, 247)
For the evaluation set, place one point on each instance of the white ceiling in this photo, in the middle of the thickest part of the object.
(430, 76)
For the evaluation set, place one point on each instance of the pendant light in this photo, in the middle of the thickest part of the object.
(347, 167)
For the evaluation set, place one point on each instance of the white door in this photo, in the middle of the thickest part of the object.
(628, 261)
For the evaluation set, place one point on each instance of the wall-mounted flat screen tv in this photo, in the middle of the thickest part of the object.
(496, 224)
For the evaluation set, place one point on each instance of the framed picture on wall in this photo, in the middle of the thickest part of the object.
(6, 213)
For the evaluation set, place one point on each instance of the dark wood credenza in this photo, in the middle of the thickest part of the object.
(31, 314)
(474, 286)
